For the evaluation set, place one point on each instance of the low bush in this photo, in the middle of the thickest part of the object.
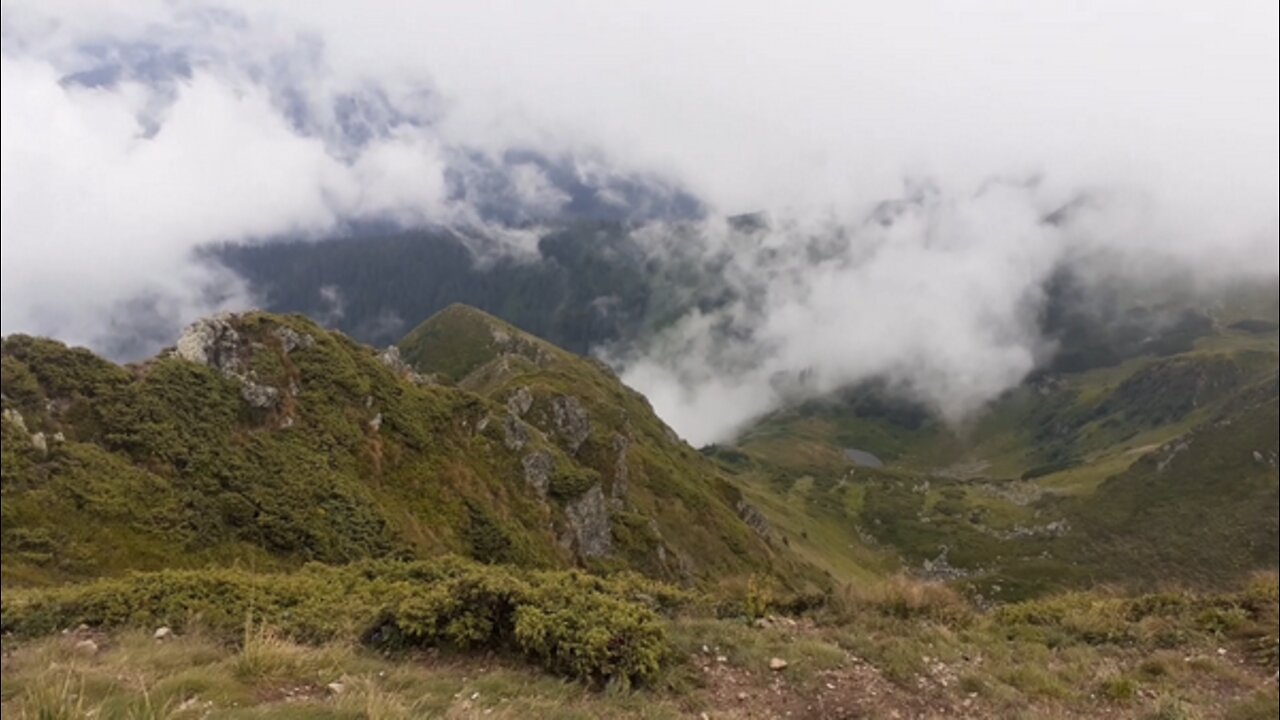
(905, 598)
(1154, 620)
(570, 623)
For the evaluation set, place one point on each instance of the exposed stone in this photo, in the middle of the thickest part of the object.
(390, 357)
(58, 437)
(572, 421)
(1171, 451)
(212, 342)
(514, 433)
(777, 664)
(335, 688)
(291, 339)
(940, 568)
(162, 633)
(589, 520)
(259, 396)
(39, 442)
(520, 401)
(15, 418)
(1056, 528)
(621, 472)
(753, 518)
(375, 423)
(86, 647)
(538, 467)
(215, 343)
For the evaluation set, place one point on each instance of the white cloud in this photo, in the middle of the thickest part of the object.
(1165, 115)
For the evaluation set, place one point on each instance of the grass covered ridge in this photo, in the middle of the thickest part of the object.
(458, 639)
(293, 444)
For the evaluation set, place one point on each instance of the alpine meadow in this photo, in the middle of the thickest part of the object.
(640, 360)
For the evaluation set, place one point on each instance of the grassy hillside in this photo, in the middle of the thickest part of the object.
(267, 521)
(1160, 468)
(266, 441)
(455, 640)
(662, 498)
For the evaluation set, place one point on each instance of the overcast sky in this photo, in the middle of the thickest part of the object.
(223, 121)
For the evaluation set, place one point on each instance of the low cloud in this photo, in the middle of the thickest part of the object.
(925, 169)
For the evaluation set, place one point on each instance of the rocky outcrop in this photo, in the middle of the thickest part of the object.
(291, 339)
(259, 396)
(15, 418)
(753, 518)
(213, 342)
(39, 441)
(216, 343)
(515, 435)
(538, 467)
(589, 522)
(621, 472)
(571, 420)
(390, 357)
(520, 401)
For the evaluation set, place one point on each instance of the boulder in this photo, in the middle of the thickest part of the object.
(572, 421)
(538, 467)
(520, 401)
(589, 521)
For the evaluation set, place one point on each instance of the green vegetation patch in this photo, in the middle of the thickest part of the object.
(567, 622)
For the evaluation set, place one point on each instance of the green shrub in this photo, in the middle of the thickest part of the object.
(568, 622)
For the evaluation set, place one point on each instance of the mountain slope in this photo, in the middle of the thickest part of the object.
(1160, 468)
(266, 440)
(660, 494)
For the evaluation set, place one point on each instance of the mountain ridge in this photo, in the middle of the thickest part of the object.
(268, 438)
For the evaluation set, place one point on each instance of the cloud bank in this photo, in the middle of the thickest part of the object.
(908, 156)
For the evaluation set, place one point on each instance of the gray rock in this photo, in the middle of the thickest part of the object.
(291, 339)
(520, 401)
(514, 433)
(572, 421)
(215, 343)
(87, 647)
(753, 518)
(15, 418)
(163, 633)
(375, 423)
(621, 472)
(390, 357)
(39, 442)
(212, 342)
(589, 521)
(538, 467)
(259, 396)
